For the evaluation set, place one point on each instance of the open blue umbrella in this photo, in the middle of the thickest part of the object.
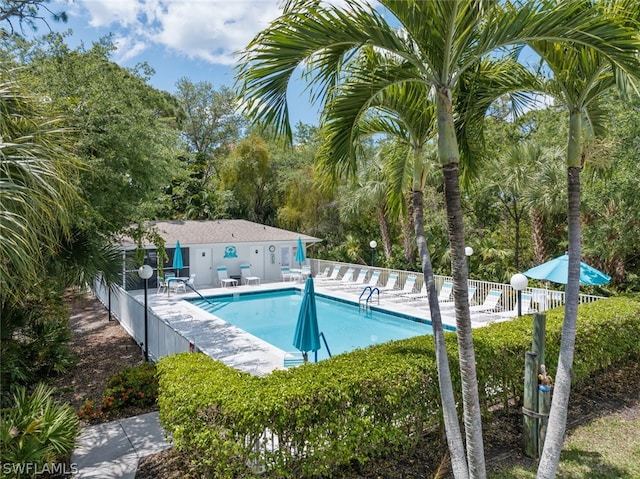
(307, 336)
(557, 271)
(300, 256)
(177, 259)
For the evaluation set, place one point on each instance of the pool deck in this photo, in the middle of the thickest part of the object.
(241, 350)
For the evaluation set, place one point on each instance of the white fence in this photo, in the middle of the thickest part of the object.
(541, 299)
(162, 338)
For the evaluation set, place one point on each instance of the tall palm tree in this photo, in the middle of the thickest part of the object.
(438, 42)
(581, 78)
(402, 111)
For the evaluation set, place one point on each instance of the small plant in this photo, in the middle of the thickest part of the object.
(89, 411)
(133, 386)
(35, 429)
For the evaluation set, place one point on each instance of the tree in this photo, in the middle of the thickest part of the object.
(438, 43)
(37, 172)
(28, 12)
(210, 124)
(581, 76)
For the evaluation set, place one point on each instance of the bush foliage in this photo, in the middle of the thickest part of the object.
(35, 430)
(316, 418)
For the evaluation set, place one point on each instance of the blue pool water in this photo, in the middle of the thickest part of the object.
(272, 316)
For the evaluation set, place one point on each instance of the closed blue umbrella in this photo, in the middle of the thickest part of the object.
(177, 259)
(307, 336)
(557, 271)
(300, 256)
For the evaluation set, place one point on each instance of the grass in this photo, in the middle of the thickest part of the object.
(606, 448)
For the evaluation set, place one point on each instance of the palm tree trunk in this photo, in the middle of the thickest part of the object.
(383, 223)
(447, 398)
(450, 157)
(560, 404)
(538, 236)
(408, 230)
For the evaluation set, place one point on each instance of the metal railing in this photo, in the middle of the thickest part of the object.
(542, 299)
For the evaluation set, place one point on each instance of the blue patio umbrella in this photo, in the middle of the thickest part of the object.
(300, 256)
(557, 271)
(177, 259)
(307, 336)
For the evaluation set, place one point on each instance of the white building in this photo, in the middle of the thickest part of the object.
(208, 244)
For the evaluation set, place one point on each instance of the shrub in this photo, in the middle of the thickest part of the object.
(311, 420)
(133, 386)
(35, 341)
(36, 430)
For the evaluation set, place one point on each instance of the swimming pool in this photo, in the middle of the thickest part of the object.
(272, 317)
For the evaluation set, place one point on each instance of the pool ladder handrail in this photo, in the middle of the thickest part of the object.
(371, 291)
(324, 340)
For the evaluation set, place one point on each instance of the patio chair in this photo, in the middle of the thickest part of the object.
(444, 296)
(180, 285)
(247, 277)
(359, 282)
(324, 274)
(391, 283)
(409, 284)
(334, 274)
(526, 308)
(224, 279)
(471, 291)
(490, 302)
(420, 294)
(346, 279)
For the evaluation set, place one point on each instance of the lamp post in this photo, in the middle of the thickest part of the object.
(518, 282)
(145, 272)
(468, 251)
(373, 245)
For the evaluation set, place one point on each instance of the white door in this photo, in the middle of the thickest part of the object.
(257, 261)
(203, 267)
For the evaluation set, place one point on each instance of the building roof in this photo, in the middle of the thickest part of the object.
(192, 232)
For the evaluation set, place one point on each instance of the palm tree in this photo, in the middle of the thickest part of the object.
(439, 44)
(36, 172)
(370, 191)
(581, 78)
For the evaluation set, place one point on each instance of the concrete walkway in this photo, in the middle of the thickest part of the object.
(112, 450)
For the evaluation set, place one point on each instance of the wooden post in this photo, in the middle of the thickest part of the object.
(544, 406)
(539, 330)
(530, 406)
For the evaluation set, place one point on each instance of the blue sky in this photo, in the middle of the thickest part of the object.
(196, 39)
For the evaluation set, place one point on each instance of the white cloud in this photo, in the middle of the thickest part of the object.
(211, 30)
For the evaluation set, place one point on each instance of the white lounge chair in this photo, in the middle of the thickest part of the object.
(286, 274)
(346, 279)
(526, 308)
(419, 295)
(224, 279)
(391, 283)
(360, 280)
(444, 296)
(334, 274)
(324, 274)
(490, 302)
(247, 277)
(409, 284)
(471, 291)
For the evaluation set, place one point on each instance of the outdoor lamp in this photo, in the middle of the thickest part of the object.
(373, 245)
(468, 251)
(145, 272)
(518, 282)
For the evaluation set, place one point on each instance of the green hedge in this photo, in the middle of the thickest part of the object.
(316, 418)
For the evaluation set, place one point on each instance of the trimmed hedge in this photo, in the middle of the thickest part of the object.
(316, 418)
